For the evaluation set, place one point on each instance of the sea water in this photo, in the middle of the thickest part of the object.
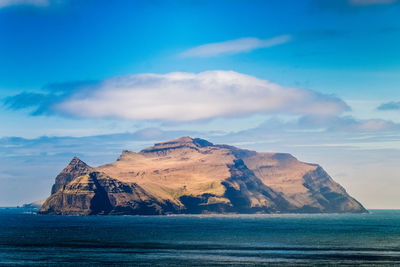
(303, 240)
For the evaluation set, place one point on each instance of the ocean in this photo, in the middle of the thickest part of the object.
(27, 239)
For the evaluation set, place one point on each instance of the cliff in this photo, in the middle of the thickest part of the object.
(194, 176)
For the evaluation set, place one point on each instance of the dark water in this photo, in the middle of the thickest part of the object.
(350, 239)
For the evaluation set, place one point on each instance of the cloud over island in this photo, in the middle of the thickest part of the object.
(176, 97)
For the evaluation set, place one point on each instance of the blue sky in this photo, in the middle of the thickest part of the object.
(265, 75)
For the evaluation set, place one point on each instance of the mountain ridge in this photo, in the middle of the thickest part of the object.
(193, 176)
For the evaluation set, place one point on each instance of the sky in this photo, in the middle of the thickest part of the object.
(316, 78)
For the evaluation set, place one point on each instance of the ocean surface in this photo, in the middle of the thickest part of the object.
(27, 239)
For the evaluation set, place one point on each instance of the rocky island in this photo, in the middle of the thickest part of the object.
(194, 176)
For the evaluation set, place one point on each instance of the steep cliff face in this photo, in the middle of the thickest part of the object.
(193, 176)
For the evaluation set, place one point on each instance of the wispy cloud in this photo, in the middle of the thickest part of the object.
(390, 106)
(5, 3)
(371, 2)
(316, 128)
(178, 97)
(234, 46)
(346, 124)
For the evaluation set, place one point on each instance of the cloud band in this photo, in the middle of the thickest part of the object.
(178, 97)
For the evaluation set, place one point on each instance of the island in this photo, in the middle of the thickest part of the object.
(194, 176)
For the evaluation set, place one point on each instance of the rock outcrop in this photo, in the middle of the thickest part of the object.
(194, 176)
(34, 205)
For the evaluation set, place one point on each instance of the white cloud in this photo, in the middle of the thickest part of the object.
(234, 46)
(5, 3)
(182, 97)
(371, 2)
